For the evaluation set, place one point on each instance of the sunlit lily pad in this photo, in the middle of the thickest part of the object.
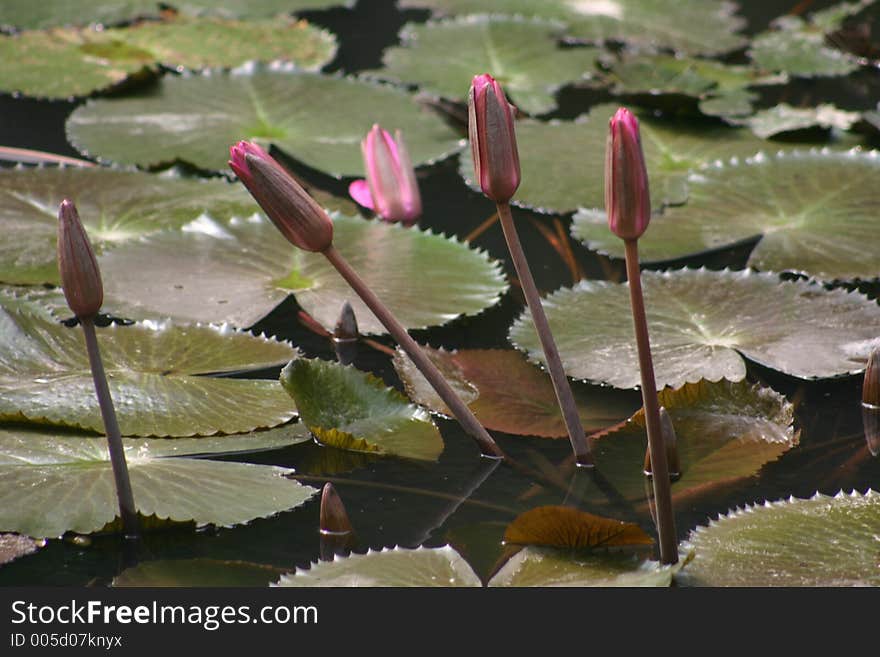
(523, 55)
(195, 118)
(507, 393)
(237, 271)
(14, 546)
(197, 572)
(155, 373)
(567, 527)
(55, 483)
(823, 541)
(702, 323)
(814, 211)
(563, 161)
(785, 118)
(350, 409)
(697, 26)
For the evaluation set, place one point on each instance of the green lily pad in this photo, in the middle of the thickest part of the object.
(507, 393)
(823, 541)
(425, 279)
(696, 26)
(116, 207)
(155, 372)
(523, 55)
(562, 162)
(14, 546)
(785, 118)
(195, 118)
(702, 324)
(197, 572)
(54, 483)
(350, 409)
(814, 212)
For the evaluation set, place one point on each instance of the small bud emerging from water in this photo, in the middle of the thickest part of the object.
(296, 214)
(334, 518)
(670, 440)
(80, 276)
(627, 200)
(871, 386)
(493, 139)
(346, 335)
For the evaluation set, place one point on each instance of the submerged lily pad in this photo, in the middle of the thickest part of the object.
(697, 26)
(155, 372)
(197, 572)
(54, 483)
(702, 323)
(523, 55)
(237, 271)
(823, 541)
(507, 393)
(195, 118)
(350, 409)
(14, 546)
(814, 211)
(785, 118)
(567, 527)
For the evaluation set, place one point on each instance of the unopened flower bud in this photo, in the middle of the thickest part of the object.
(80, 276)
(334, 518)
(493, 139)
(296, 214)
(871, 385)
(627, 200)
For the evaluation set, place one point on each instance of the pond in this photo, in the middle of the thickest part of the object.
(467, 501)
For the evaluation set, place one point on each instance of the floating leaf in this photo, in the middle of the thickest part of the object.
(567, 527)
(697, 26)
(13, 546)
(702, 323)
(52, 483)
(237, 271)
(785, 118)
(154, 372)
(195, 118)
(350, 409)
(813, 210)
(823, 541)
(523, 55)
(507, 393)
(197, 572)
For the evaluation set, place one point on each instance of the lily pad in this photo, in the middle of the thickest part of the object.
(823, 541)
(195, 118)
(155, 372)
(785, 118)
(702, 324)
(197, 572)
(696, 26)
(507, 393)
(238, 270)
(54, 483)
(814, 212)
(563, 161)
(523, 55)
(567, 527)
(350, 409)
(14, 546)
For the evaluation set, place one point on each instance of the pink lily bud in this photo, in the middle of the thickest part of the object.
(493, 139)
(390, 189)
(627, 200)
(296, 214)
(80, 276)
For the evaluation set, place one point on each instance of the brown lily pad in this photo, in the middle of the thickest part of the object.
(567, 527)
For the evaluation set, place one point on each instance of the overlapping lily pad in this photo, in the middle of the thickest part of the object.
(14, 546)
(567, 527)
(53, 483)
(523, 55)
(507, 393)
(785, 118)
(155, 373)
(350, 409)
(237, 271)
(814, 211)
(702, 323)
(697, 26)
(195, 118)
(822, 541)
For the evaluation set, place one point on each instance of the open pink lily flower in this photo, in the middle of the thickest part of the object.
(493, 139)
(627, 199)
(390, 189)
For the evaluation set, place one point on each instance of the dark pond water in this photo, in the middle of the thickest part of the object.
(392, 502)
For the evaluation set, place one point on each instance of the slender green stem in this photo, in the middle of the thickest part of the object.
(576, 433)
(659, 466)
(127, 509)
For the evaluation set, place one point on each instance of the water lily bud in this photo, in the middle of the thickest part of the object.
(390, 189)
(346, 335)
(670, 441)
(627, 200)
(871, 386)
(334, 518)
(296, 214)
(80, 276)
(493, 139)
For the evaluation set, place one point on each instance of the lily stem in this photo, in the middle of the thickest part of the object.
(127, 509)
(659, 465)
(576, 433)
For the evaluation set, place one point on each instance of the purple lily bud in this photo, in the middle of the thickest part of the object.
(333, 516)
(80, 276)
(493, 139)
(390, 189)
(296, 214)
(871, 385)
(627, 200)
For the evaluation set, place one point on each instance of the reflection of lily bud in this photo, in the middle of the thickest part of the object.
(80, 276)
(345, 335)
(871, 420)
(670, 441)
(871, 386)
(337, 534)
